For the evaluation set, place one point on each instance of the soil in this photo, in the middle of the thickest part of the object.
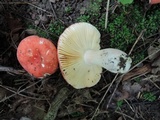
(23, 97)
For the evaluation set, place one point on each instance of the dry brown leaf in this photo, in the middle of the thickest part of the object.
(137, 71)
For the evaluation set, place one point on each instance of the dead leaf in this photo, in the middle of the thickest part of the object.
(28, 32)
(156, 66)
(25, 118)
(86, 94)
(13, 23)
(79, 100)
(25, 108)
(155, 58)
(122, 95)
(152, 50)
(120, 118)
(38, 112)
(3, 93)
(132, 88)
(53, 1)
(70, 109)
(128, 91)
(137, 71)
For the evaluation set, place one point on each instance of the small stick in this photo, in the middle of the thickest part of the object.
(125, 115)
(114, 91)
(18, 92)
(16, 3)
(54, 13)
(107, 10)
(23, 95)
(144, 60)
(140, 35)
(31, 4)
(11, 70)
(62, 95)
(38, 8)
(95, 112)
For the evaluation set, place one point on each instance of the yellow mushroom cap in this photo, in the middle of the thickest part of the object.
(72, 45)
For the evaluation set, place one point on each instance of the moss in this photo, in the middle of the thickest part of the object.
(83, 18)
(150, 21)
(53, 30)
(92, 12)
(40, 31)
(125, 26)
(56, 28)
(94, 8)
(121, 32)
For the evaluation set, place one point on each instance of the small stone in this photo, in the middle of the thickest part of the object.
(33, 15)
(25, 118)
(43, 18)
(82, 10)
(36, 22)
(53, 1)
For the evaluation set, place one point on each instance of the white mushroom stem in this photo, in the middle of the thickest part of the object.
(113, 60)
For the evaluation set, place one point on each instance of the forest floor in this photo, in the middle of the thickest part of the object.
(133, 28)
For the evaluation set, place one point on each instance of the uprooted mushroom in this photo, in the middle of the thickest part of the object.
(81, 60)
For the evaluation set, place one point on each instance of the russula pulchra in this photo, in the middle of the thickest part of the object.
(38, 56)
(81, 60)
(154, 2)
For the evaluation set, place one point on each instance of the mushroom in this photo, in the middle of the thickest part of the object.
(38, 56)
(154, 1)
(81, 60)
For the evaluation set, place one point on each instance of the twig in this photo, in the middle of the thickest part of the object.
(11, 36)
(11, 70)
(114, 91)
(21, 82)
(124, 115)
(62, 95)
(144, 60)
(107, 10)
(13, 90)
(95, 112)
(31, 4)
(152, 82)
(16, 3)
(140, 113)
(54, 13)
(140, 35)
(129, 105)
(18, 92)
(38, 8)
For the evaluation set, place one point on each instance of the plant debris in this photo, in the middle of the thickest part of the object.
(131, 96)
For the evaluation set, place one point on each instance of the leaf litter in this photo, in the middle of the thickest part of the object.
(34, 98)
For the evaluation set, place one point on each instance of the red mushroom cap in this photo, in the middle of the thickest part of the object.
(38, 56)
(154, 1)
